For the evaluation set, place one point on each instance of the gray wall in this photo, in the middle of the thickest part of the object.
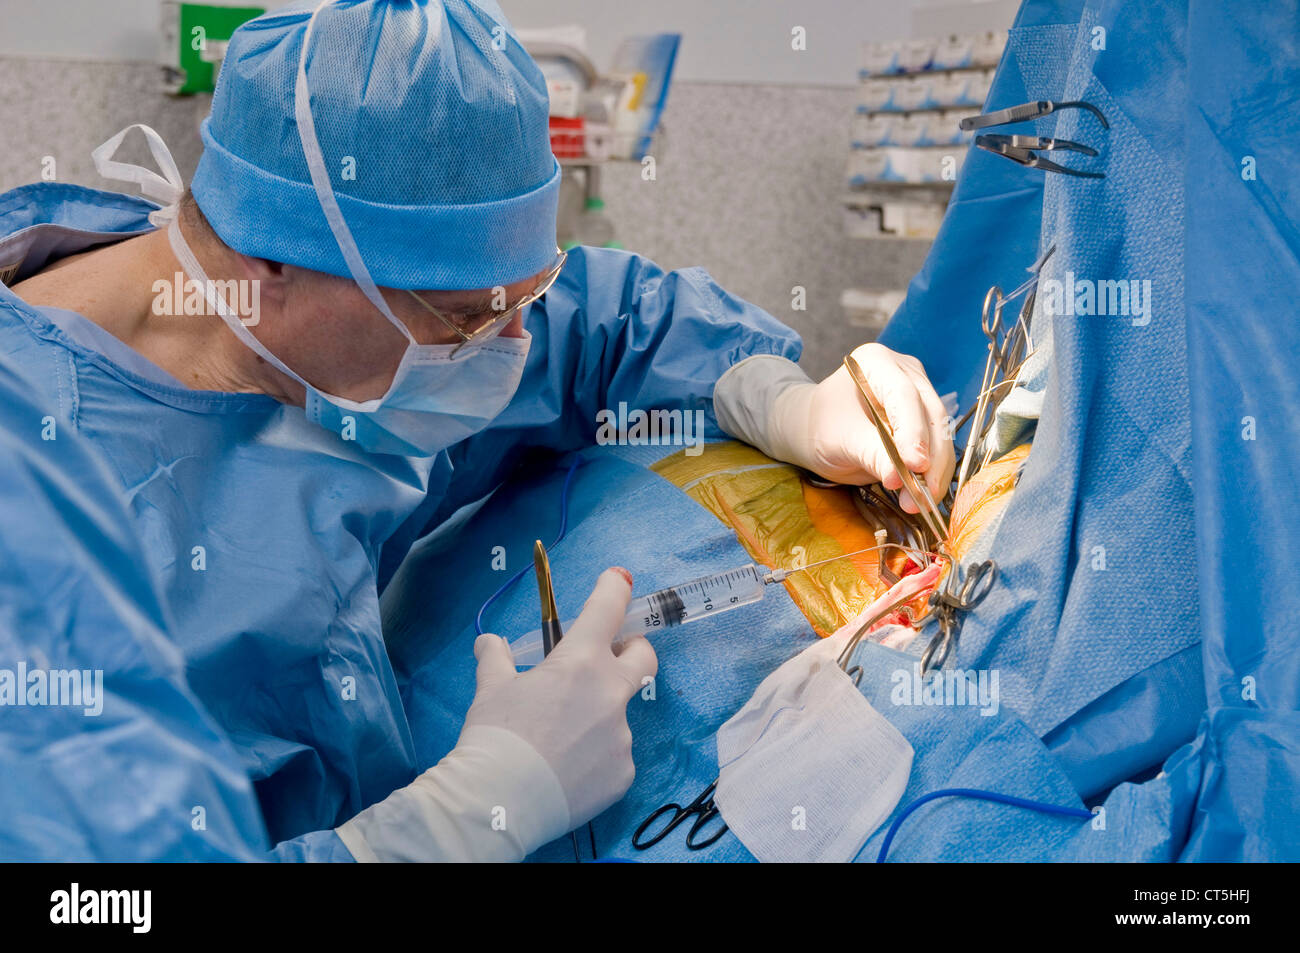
(749, 173)
(741, 41)
(748, 185)
(65, 108)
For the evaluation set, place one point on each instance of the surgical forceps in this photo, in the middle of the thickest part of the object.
(1030, 159)
(991, 324)
(705, 811)
(1024, 149)
(1008, 352)
(889, 515)
(1027, 111)
(952, 600)
(865, 496)
(919, 492)
(996, 141)
(1009, 356)
(1005, 354)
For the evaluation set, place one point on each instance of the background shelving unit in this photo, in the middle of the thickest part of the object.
(907, 146)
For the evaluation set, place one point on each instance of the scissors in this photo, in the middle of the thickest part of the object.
(977, 584)
(705, 811)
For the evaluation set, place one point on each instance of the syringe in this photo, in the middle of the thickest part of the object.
(673, 606)
(689, 602)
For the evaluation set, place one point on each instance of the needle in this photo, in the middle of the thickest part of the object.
(779, 575)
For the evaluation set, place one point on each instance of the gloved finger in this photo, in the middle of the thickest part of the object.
(889, 476)
(496, 664)
(602, 615)
(881, 468)
(907, 503)
(942, 456)
(897, 393)
(865, 451)
(943, 459)
(637, 660)
(865, 446)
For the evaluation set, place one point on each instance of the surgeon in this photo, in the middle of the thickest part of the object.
(291, 367)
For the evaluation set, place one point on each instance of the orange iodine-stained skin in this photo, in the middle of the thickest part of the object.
(982, 499)
(784, 521)
(832, 512)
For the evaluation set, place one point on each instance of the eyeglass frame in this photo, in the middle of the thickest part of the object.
(496, 325)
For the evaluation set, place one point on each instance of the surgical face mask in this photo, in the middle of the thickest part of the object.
(433, 402)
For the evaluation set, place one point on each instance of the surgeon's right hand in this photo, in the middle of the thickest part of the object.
(541, 751)
(768, 401)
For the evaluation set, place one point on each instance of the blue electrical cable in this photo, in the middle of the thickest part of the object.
(564, 528)
(980, 795)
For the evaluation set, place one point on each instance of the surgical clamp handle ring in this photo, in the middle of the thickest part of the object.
(979, 581)
(1004, 350)
(940, 640)
(846, 654)
(702, 805)
(993, 301)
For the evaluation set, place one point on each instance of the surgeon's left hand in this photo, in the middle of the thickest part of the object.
(541, 751)
(824, 427)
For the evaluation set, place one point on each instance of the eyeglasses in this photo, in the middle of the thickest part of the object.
(496, 323)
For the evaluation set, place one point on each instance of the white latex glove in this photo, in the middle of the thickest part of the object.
(541, 752)
(768, 402)
(572, 709)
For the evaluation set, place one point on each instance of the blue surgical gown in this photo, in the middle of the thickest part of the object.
(271, 538)
(129, 764)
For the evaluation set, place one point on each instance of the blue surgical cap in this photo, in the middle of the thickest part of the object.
(432, 122)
